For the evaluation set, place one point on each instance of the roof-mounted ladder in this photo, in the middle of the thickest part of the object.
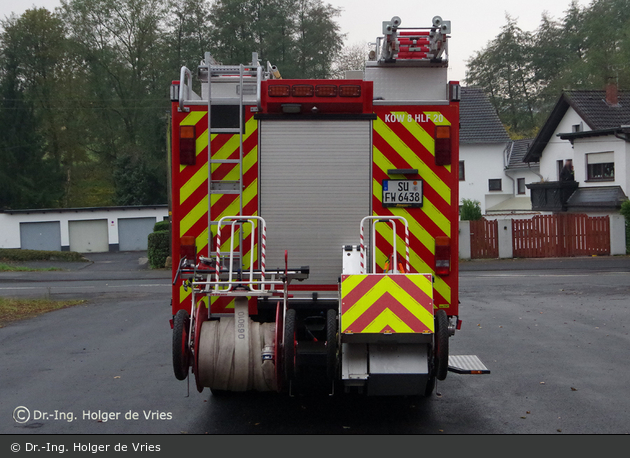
(248, 82)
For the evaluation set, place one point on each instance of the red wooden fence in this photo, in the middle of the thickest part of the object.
(484, 239)
(560, 235)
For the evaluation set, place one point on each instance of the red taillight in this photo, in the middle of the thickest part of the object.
(188, 248)
(442, 256)
(442, 145)
(326, 90)
(187, 147)
(279, 90)
(302, 90)
(349, 90)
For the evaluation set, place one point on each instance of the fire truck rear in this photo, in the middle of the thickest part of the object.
(315, 224)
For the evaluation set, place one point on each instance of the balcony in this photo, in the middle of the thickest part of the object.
(551, 196)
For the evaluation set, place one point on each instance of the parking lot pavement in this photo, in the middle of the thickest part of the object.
(100, 266)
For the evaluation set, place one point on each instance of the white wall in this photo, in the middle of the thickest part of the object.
(602, 144)
(558, 149)
(530, 175)
(481, 163)
(10, 222)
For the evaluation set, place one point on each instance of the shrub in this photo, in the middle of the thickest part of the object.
(159, 248)
(17, 254)
(471, 210)
(162, 226)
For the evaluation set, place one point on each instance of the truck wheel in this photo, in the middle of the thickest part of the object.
(181, 353)
(289, 344)
(441, 345)
(331, 343)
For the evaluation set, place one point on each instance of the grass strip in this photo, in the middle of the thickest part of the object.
(12, 309)
(10, 268)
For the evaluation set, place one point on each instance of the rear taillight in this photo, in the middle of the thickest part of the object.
(442, 145)
(349, 90)
(279, 90)
(187, 145)
(188, 248)
(326, 90)
(442, 256)
(302, 90)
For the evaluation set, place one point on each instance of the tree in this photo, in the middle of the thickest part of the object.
(351, 57)
(120, 43)
(524, 73)
(470, 211)
(318, 38)
(299, 36)
(504, 71)
(34, 142)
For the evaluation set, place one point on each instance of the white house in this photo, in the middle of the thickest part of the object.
(491, 167)
(592, 128)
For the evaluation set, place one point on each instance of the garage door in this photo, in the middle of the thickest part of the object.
(89, 236)
(133, 233)
(41, 236)
(314, 191)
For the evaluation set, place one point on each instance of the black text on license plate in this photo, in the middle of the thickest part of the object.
(402, 193)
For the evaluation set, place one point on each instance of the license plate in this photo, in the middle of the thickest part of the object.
(402, 193)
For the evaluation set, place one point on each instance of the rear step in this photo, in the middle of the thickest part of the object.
(466, 364)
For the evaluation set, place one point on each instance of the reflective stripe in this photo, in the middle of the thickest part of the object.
(377, 303)
(411, 158)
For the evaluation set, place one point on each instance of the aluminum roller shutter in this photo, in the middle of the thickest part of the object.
(315, 187)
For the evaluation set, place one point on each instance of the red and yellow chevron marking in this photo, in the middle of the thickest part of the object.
(190, 194)
(379, 303)
(403, 139)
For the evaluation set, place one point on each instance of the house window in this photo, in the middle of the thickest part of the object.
(600, 167)
(494, 184)
(520, 185)
(462, 172)
(560, 165)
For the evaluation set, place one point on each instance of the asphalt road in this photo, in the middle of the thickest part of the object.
(553, 332)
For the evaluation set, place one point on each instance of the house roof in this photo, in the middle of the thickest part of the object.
(479, 121)
(591, 106)
(517, 152)
(596, 198)
(516, 204)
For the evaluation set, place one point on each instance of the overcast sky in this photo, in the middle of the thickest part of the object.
(474, 23)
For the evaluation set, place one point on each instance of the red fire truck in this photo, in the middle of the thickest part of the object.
(315, 224)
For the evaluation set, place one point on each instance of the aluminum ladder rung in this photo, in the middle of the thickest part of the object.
(224, 161)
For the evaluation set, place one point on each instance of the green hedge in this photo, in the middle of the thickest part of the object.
(159, 248)
(162, 226)
(19, 255)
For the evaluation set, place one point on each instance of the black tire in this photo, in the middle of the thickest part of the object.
(441, 345)
(331, 344)
(181, 352)
(289, 345)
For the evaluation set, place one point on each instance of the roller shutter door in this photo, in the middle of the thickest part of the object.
(315, 179)
(133, 233)
(89, 236)
(41, 236)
